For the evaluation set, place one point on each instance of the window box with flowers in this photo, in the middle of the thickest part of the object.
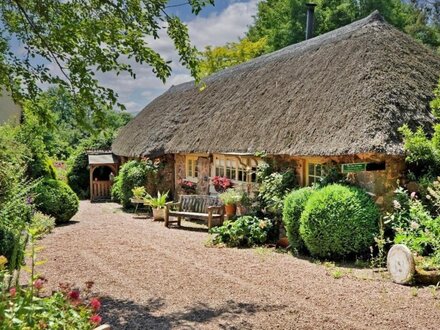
(189, 187)
(221, 183)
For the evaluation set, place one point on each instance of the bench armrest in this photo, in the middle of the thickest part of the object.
(170, 205)
(219, 209)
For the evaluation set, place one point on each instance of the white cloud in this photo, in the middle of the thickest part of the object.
(216, 29)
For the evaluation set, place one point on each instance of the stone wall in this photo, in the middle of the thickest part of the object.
(380, 184)
(204, 174)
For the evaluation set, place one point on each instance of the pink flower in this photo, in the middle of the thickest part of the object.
(38, 283)
(413, 195)
(95, 319)
(12, 292)
(95, 304)
(74, 294)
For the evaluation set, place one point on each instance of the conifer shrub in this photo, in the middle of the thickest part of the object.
(57, 199)
(294, 205)
(339, 221)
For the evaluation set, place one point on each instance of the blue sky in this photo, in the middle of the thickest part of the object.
(215, 25)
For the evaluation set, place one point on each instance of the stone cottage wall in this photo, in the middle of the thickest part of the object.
(380, 184)
(180, 172)
(204, 173)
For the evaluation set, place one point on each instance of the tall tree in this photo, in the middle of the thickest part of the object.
(283, 21)
(217, 58)
(67, 42)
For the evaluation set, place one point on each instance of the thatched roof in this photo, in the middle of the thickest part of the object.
(345, 92)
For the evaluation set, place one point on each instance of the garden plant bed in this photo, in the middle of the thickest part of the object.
(151, 277)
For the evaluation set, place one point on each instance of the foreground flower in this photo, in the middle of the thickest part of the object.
(95, 319)
(74, 294)
(95, 304)
(38, 283)
(396, 204)
(12, 292)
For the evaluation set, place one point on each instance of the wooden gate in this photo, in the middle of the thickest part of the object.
(101, 190)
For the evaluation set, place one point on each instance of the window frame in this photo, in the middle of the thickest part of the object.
(239, 167)
(193, 160)
(314, 175)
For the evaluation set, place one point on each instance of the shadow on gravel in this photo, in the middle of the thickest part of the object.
(68, 223)
(126, 314)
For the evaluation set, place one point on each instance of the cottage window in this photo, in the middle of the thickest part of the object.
(191, 167)
(315, 173)
(237, 169)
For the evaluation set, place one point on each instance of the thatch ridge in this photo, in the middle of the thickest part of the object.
(341, 93)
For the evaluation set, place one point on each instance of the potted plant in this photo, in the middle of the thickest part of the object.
(138, 195)
(230, 198)
(157, 204)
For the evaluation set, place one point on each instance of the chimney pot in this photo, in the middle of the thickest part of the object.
(310, 19)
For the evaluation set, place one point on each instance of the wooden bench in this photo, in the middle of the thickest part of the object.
(200, 207)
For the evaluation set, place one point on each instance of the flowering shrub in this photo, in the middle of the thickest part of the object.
(188, 187)
(243, 232)
(221, 183)
(27, 308)
(414, 226)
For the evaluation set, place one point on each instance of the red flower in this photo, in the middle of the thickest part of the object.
(38, 283)
(74, 294)
(95, 319)
(95, 304)
(13, 292)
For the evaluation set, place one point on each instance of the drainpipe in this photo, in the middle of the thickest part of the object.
(310, 20)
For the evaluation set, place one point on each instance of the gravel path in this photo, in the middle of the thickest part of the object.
(151, 277)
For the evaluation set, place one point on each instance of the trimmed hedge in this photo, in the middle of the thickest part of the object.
(339, 221)
(57, 199)
(294, 205)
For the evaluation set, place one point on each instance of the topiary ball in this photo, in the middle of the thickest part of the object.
(294, 205)
(339, 221)
(57, 199)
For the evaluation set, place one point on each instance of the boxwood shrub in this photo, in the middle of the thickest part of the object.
(57, 199)
(294, 205)
(339, 221)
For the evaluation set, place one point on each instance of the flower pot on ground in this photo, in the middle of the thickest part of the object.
(230, 210)
(230, 198)
(158, 214)
(157, 204)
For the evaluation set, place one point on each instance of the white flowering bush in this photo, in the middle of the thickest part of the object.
(414, 226)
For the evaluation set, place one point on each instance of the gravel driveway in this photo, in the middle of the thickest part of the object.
(151, 277)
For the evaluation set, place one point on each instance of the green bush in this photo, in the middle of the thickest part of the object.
(274, 186)
(243, 232)
(41, 224)
(414, 226)
(339, 221)
(132, 174)
(78, 176)
(57, 199)
(294, 205)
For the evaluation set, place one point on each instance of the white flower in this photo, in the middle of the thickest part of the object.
(414, 225)
(396, 204)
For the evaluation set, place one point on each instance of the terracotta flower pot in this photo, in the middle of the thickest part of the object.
(230, 211)
(158, 214)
